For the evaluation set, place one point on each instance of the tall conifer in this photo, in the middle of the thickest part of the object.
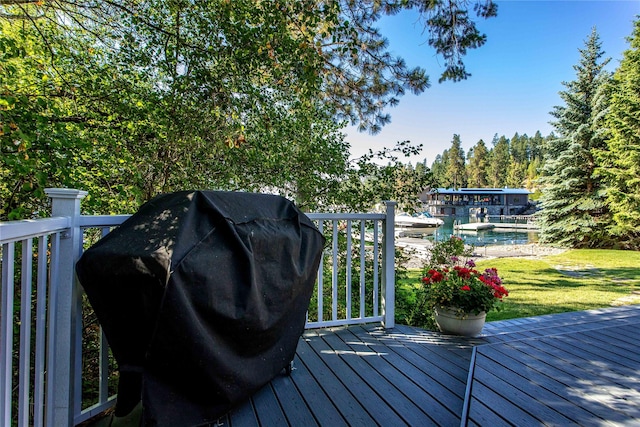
(499, 162)
(455, 176)
(573, 202)
(477, 166)
(621, 164)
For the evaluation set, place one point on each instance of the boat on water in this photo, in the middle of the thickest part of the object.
(422, 220)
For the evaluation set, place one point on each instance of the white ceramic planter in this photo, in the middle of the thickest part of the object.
(449, 322)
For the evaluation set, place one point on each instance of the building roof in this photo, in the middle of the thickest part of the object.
(473, 191)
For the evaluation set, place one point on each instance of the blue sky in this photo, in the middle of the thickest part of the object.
(531, 49)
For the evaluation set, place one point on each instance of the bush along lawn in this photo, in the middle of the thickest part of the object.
(575, 280)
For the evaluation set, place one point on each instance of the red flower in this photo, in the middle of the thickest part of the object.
(437, 276)
(463, 272)
(465, 288)
(433, 276)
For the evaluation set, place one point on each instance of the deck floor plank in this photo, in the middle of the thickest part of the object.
(355, 380)
(244, 416)
(502, 406)
(318, 402)
(598, 380)
(586, 367)
(510, 384)
(267, 406)
(425, 409)
(440, 387)
(584, 362)
(570, 368)
(520, 394)
(548, 377)
(574, 385)
(326, 376)
(383, 377)
(293, 404)
(443, 371)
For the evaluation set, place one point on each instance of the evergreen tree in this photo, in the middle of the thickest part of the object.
(519, 148)
(455, 176)
(499, 162)
(477, 166)
(439, 168)
(531, 177)
(516, 174)
(518, 162)
(621, 164)
(422, 168)
(573, 202)
(537, 146)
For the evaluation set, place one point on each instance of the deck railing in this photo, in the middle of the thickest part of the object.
(44, 323)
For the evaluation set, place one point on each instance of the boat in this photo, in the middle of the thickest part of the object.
(422, 220)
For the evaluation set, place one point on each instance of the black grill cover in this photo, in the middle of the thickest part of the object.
(205, 294)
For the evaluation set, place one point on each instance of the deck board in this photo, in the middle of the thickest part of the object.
(580, 368)
(586, 371)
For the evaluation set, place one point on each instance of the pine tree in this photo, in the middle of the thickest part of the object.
(538, 146)
(573, 201)
(531, 178)
(499, 162)
(438, 168)
(477, 166)
(621, 164)
(519, 161)
(455, 176)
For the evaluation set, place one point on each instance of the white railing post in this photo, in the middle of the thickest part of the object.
(389, 267)
(65, 202)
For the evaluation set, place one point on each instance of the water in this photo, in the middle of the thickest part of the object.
(484, 237)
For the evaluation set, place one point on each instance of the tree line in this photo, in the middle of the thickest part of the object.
(507, 162)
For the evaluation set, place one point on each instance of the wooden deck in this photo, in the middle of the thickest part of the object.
(580, 368)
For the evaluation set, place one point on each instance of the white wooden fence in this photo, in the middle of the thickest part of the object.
(41, 309)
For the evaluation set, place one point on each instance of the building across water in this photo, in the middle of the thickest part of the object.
(475, 202)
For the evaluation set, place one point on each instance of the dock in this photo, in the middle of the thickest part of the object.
(479, 226)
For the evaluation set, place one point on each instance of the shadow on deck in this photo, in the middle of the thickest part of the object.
(570, 368)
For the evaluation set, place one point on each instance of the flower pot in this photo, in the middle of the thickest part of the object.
(450, 322)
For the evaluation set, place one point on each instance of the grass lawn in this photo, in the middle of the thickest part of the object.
(574, 280)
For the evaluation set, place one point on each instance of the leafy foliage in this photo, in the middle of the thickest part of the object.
(128, 99)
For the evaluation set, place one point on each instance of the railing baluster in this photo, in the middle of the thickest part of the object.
(348, 272)
(389, 269)
(103, 394)
(6, 329)
(25, 332)
(51, 321)
(103, 391)
(376, 268)
(41, 317)
(321, 278)
(334, 280)
(362, 268)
